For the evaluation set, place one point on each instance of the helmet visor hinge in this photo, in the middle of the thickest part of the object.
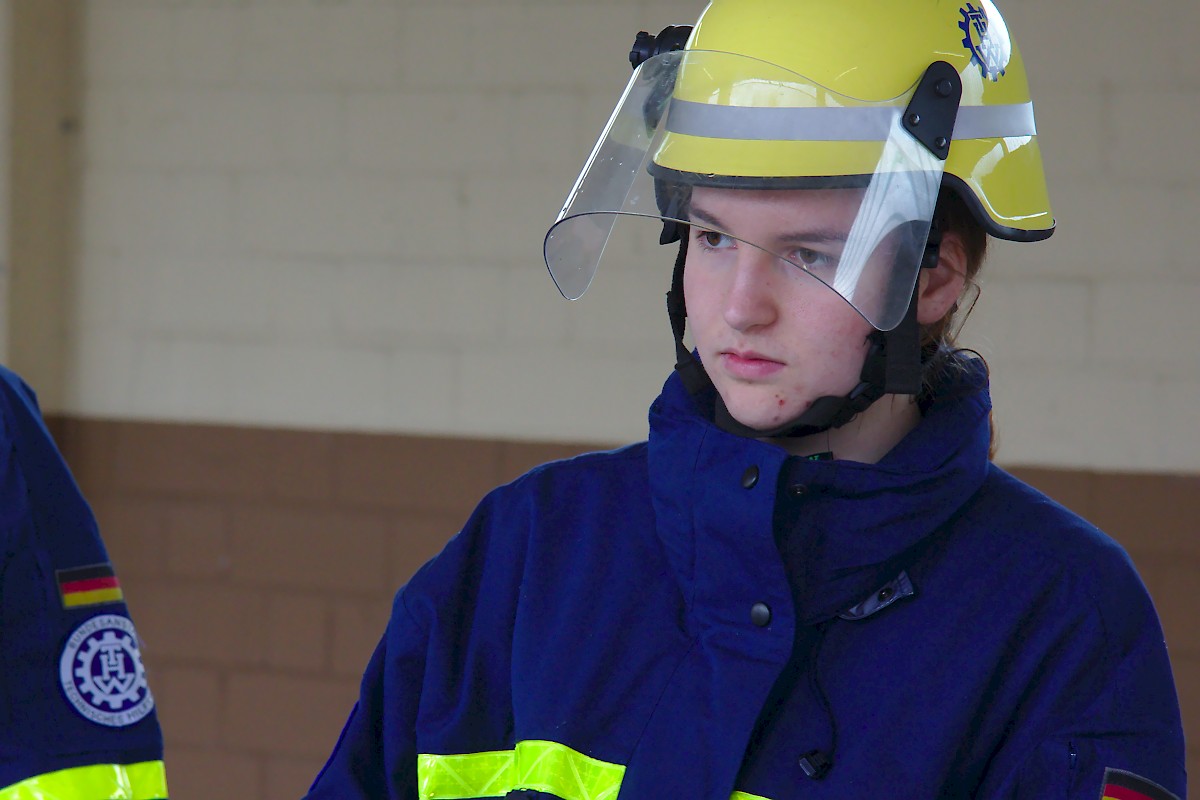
(647, 46)
(933, 108)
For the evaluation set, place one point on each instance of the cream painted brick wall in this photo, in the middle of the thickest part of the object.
(331, 214)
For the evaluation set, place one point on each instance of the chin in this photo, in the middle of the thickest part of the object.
(763, 412)
(762, 424)
(760, 419)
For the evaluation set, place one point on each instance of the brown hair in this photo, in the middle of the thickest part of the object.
(952, 216)
(940, 354)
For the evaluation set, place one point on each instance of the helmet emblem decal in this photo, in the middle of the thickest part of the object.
(991, 53)
(101, 672)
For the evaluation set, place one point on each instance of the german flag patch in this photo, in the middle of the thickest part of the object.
(1121, 785)
(93, 585)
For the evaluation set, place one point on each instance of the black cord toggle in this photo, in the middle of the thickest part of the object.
(815, 764)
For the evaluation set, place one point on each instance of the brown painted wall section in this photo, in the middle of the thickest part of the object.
(260, 567)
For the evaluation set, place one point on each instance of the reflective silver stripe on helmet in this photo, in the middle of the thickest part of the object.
(827, 124)
(995, 122)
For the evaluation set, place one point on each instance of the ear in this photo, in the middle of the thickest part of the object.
(942, 285)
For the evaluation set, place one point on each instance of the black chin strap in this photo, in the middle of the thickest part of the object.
(892, 365)
(691, 372)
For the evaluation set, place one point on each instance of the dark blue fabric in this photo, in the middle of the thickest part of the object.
(46, 525)
(604, 602)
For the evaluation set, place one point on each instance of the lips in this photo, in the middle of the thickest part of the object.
(748, 364)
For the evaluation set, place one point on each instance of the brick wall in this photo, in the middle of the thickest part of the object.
(260, 567)
(329, 216)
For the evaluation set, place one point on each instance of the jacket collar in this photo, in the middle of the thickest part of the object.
(852, 529)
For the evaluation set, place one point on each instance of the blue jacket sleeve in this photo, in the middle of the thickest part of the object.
(375, 756)
(75, 705)
(1116, 718)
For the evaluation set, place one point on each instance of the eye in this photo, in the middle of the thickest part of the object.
(711, 240)
(815, 260)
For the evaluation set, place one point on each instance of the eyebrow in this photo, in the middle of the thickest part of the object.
(820, 235)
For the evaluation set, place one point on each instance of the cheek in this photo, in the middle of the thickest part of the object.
(841, 349)
(700, 297)
(852, 341)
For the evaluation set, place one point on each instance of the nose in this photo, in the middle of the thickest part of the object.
(750, 301)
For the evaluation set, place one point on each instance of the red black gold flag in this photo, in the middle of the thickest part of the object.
(92, 585)
(1121, 785)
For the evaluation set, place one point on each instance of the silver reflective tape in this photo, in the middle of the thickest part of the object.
(829, 124)
(781, 124)
(995, 122)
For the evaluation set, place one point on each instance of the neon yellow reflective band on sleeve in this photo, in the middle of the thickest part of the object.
(491, 774)
(542, 766)
(144, 781)
(547, 767)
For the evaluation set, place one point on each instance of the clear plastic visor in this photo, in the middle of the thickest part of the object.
(853, 192)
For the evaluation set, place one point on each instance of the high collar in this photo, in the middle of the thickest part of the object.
(850, 528)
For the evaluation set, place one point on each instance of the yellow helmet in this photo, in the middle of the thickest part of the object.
(893, 97)
(875, 51)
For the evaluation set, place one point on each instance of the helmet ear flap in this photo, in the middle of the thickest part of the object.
(670, 232)
(672, 199)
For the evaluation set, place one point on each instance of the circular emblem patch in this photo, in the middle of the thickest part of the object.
(986, 40)
(102, 674)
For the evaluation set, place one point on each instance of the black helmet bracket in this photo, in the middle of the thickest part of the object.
(647, 46)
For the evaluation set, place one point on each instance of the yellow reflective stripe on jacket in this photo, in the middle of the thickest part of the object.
(144, 781)
(543, 766)
(547, 767)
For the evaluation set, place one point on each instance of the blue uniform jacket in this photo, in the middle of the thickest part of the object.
(77, 718)
(702, 616)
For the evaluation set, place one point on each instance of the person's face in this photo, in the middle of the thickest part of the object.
(772, 337)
